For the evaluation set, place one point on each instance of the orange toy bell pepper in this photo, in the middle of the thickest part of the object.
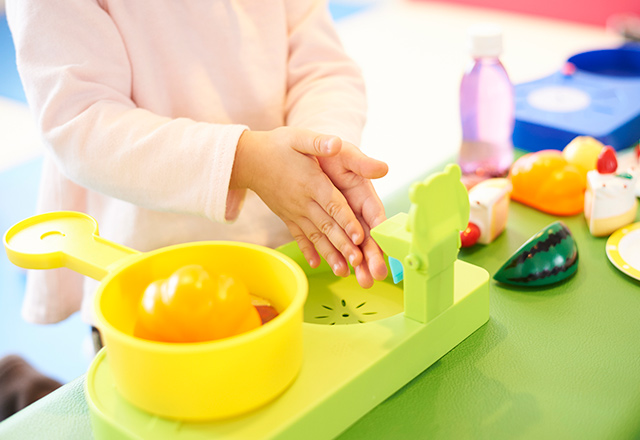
(546, 181)
(193, 306)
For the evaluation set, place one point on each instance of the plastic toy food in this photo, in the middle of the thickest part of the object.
(546, 181)
(488, 210)
(551, 255)
(555, 182)
(266, 311)
(470, 235)
(607, 161)
(610, 200)
(583, 152)
(192, 306)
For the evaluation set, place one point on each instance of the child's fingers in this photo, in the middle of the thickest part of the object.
(373, 211)
(315, 144)
(363, 275)
(329, 227)
(373, 266)
(305, 245)
(324, 247)
(335, 205)
(374, 259)
(363, 165)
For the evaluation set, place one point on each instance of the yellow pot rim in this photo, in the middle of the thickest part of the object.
(221, 344)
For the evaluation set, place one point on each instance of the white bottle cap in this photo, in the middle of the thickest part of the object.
(485, 40)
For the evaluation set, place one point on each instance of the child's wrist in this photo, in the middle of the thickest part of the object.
(241, 173)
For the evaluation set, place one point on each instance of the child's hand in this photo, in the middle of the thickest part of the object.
(282, 167)
(350, 172)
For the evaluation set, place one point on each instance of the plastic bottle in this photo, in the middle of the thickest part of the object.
(486, 107)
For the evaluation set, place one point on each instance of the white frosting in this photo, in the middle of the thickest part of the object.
(612, 194)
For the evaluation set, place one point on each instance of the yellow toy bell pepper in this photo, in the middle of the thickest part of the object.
(545, 181)
(193, 306)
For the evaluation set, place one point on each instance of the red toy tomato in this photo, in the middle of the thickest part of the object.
(470, 235)
(192, 306)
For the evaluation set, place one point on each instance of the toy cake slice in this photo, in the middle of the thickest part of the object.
(610, 200)
(489, 207)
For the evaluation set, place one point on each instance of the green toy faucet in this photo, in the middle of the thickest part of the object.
(427, 242)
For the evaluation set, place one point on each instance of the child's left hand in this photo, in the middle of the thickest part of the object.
(350, 171)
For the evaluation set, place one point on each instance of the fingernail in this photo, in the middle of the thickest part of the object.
(327, 146)
(336, 268)
(352, 258)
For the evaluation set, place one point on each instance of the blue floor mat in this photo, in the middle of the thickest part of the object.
(56, 349)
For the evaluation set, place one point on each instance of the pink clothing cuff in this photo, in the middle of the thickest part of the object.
(223, 204)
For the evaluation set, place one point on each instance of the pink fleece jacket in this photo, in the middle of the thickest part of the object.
(141, 105)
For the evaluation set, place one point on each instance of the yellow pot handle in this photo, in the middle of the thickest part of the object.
(64, 239)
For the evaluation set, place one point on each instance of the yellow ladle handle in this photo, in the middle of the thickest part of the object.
(64, 239)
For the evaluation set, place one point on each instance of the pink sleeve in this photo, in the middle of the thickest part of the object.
(326, 90)
(77, 78)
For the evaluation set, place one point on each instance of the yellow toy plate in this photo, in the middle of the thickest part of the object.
(623, 250)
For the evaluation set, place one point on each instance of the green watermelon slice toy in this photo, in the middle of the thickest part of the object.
(551, 255)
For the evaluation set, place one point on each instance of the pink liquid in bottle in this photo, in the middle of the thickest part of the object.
(486, 109)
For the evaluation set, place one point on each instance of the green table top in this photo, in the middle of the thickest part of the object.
(555, 362)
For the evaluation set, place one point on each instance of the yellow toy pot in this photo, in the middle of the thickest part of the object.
(186, 381)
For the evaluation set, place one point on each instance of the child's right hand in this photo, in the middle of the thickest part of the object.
(281, 166)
